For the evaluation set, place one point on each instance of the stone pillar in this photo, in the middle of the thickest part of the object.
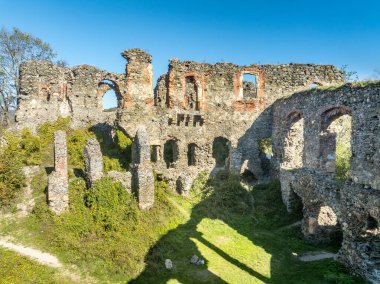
(93, 161)
(142, 171)
(139, 73)
(58, 187)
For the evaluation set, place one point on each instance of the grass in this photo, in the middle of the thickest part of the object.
(238, 246)
(18, 269)
(236, 231)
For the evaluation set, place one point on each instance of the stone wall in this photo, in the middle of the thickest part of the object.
(329, 206)
(196, 104)
(193, 103)
(142, 171)
(93, 161)
(58, 187)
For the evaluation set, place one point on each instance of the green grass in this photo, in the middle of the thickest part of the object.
(239, 246)
(234, 230)
(17, 269)
(107, 238)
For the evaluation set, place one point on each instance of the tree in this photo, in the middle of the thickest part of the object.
(349, 75)
(17, 47)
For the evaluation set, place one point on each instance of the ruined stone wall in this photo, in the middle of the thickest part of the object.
(197, 102)
(193, 103)
(48, 91)
(58, 184)
(328, 205)
(319, 107)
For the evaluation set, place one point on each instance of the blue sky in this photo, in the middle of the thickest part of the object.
(244, 32)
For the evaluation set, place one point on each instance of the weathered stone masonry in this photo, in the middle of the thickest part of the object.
(58, 186)
(196, 104)
(329, 206)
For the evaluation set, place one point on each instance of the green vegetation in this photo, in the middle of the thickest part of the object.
(17, 269)
(266, 146)
(26, 149)
(342, 127)
(107, 238)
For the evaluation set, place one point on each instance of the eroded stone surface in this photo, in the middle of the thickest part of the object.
(58, 187)
(123, 177)
(350, 209)
(142, 171)
(93, 161)
(195, 104)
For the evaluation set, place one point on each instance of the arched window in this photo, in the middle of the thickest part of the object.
(220, 151)
(335, 142)
(170, 152)
(109, 95)
(294, 141)
(191, 94)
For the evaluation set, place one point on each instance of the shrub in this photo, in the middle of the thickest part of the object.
(76, 142)
(46, 130)
(111, 206)
(343, 156)
(30, 147)
(12, 177)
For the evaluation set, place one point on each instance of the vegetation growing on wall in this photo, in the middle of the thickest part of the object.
(27, 149)
(343, 147)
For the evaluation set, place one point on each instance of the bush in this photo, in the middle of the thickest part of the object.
(343, 156)
(30, 147)
(46, 130)
(111, 206)
(76, 142)
(12, 177)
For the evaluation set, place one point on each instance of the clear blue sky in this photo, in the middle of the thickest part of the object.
(244, 32)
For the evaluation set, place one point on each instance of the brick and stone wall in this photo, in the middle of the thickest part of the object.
(330, 206)
(176, 125)
(93, 161)
(58, 187)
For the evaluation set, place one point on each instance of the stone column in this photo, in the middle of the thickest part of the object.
(142, 171)
(139, 76)
(93, 161)
(58, 187)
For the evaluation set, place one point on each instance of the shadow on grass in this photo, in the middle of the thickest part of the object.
(226, 202)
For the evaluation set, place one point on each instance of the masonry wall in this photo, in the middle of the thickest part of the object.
(355, 203)
(319, 105)
(193, 104)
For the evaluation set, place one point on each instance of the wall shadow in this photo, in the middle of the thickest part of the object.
(232, 204)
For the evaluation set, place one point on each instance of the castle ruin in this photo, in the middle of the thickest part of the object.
(198, 109)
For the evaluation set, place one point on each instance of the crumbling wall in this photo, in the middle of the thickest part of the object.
(93, 161)
(142, 171)
(197, 102)
(319, 106)
(58, 187)
(194, 103)
(356, 202)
